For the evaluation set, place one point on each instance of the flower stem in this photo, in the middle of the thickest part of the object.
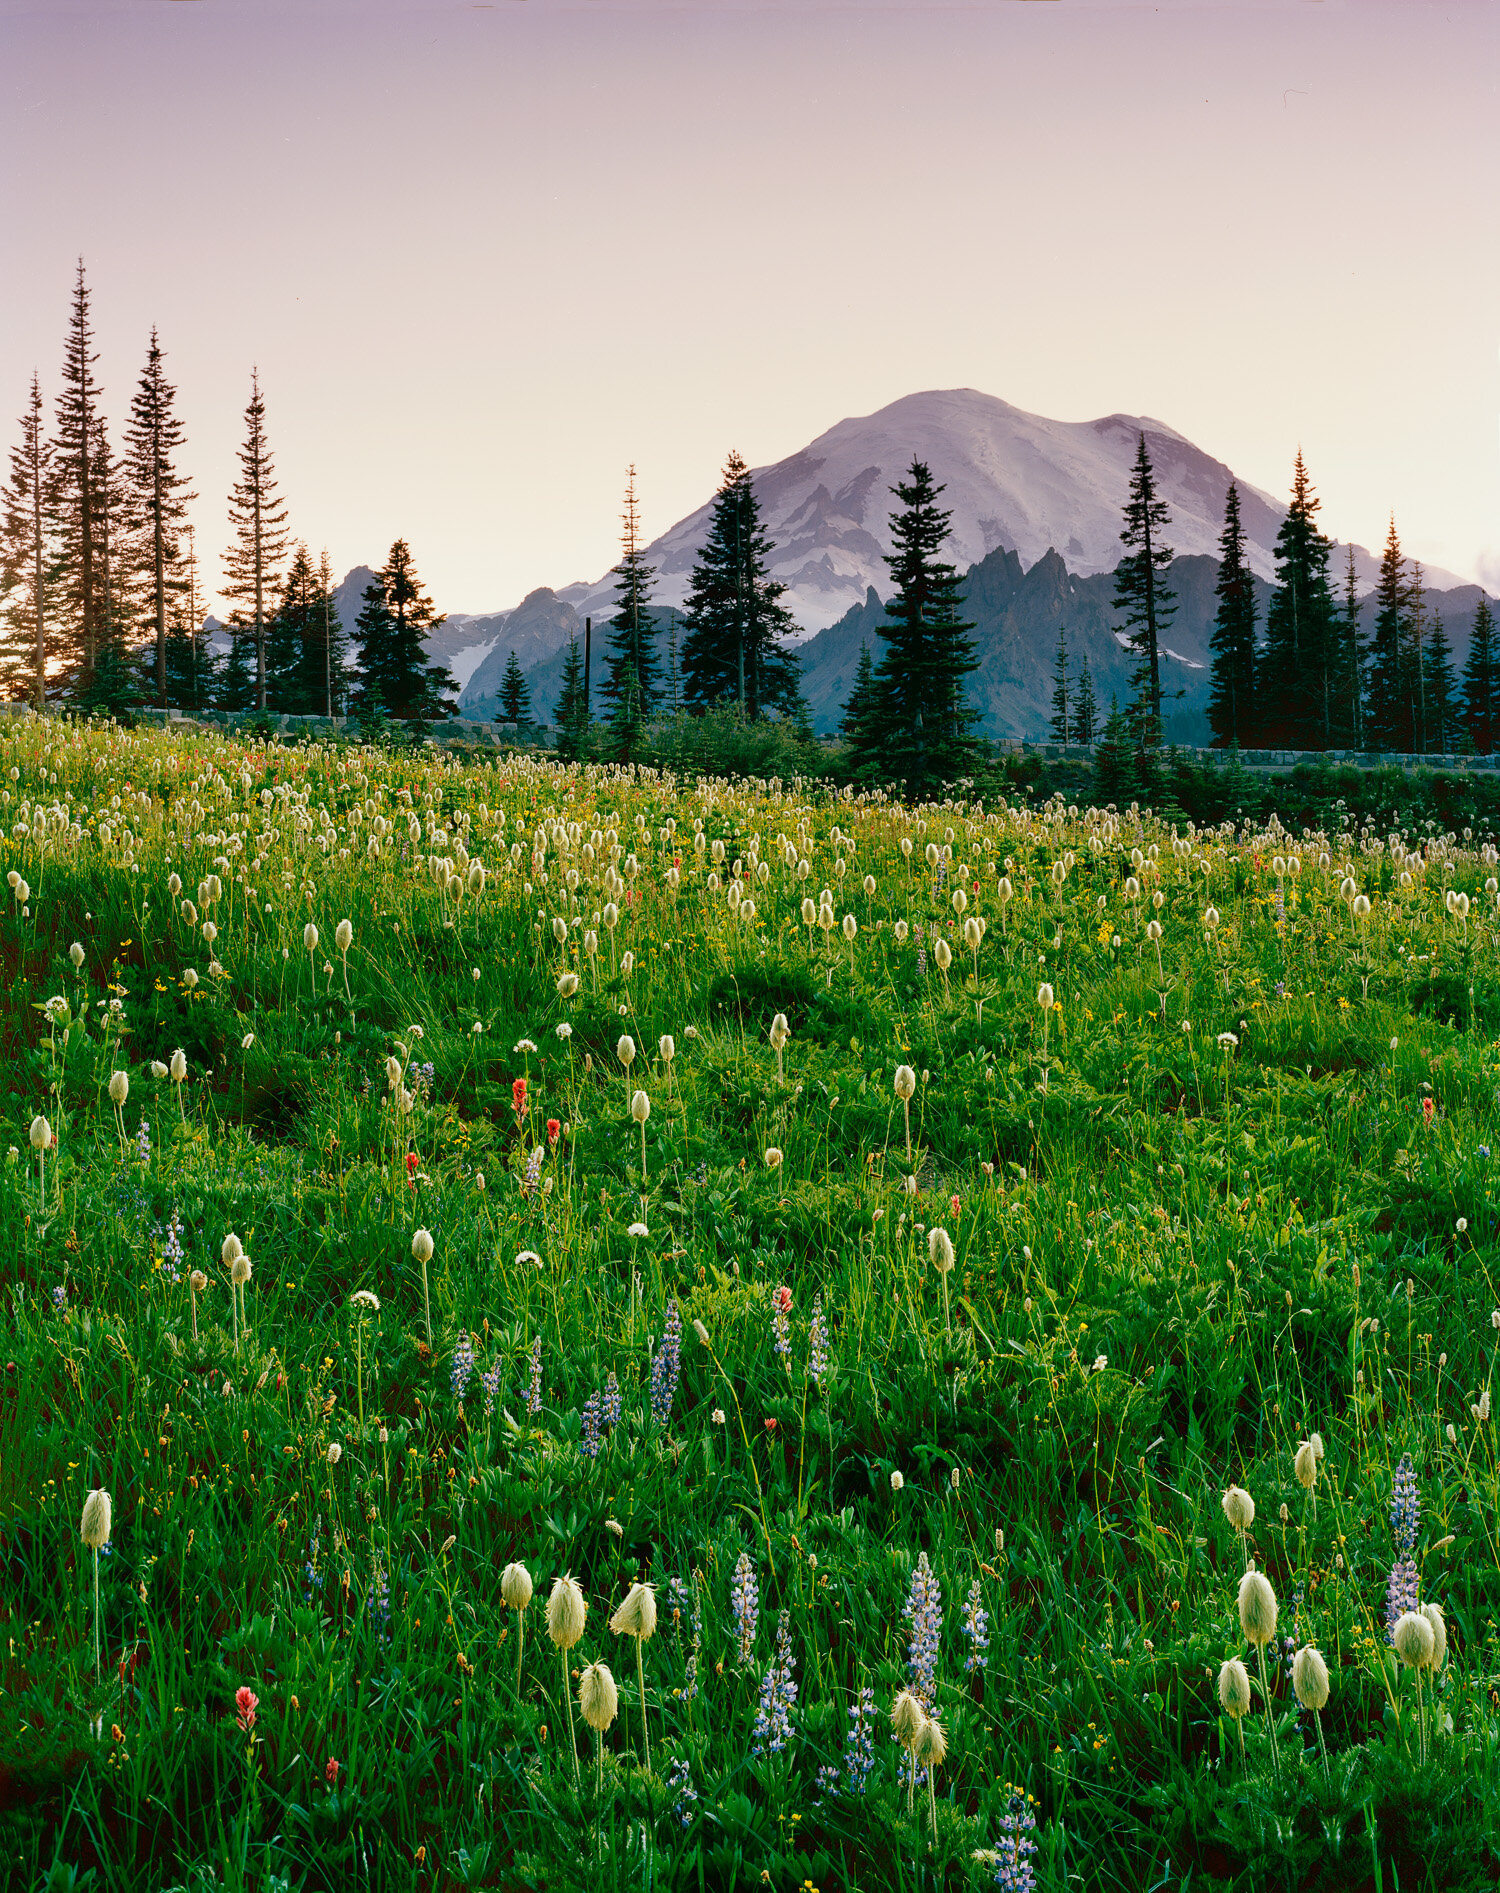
(640, 1677)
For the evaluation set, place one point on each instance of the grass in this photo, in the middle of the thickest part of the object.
(1177, 1254)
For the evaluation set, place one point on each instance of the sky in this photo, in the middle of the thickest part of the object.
(484, 256)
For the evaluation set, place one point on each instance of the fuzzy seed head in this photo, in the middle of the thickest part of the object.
(197, 1281)
(940, 1250)
(640, 1107)
(1310, 1677)
(343, 935)
(597, 1697)
(625, 1050)
(421, 1246)
(931, 1745)
(566, 1611)
(178, 1066)
(310, 937)
(907, 1718)
(1305, 1466)
(1257, 1609)
(1434, 1615)
(229, 1248)
(119, 1087)
(98, 1514)
(239, 1270)
(1234, 1688)
(906, 1083)
(1239, 1508)
(1414, 1639)
(41, 1134)
(515, 1587)
(636, 1617)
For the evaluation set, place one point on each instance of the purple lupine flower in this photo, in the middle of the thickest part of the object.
(1406, 1506)
(745, 1599)
(611, 1401)
(976, 1629)
(1402, 1593)
(666, 1366)
(60, 1295)
(778, 1695)
(463, 1366)
(923, 1610)
(781, 1326)
(589, 1439)
(817, 1343)
(684, 1794)
(534, 1391)
(143, 1142)
(1014, 1872)
(859, 1742)
(491, 1384)
(380, 1602)
(171, 1251)
(532, 1173)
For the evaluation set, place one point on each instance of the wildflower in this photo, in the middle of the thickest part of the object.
(1014, 1872)
(612, 1401)
(589, 1424)
(490, 1381)
(923, 1611)
(1257, 1602)
(744, 1598)
(1402, 1590)
(1234, 1689)
(1239, 1508)
(331, 1770)
(859, 1742)
(335, 1453)
(564, 1031)
(534, 1390)
(638, 1230)
(554, 1130)
(463, 1365)
(781, 1304)
(1414, 1639)
(365, 1298)
(774, 1158)
(680, 1785)
(666, 1366)
(1406, 1505)
(897, 1481)
(518, 1097)
(817, 1343)
(597, 1697)
(778, 1695)
(246, 1702)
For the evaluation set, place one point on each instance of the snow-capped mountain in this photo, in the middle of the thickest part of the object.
(1012, 479)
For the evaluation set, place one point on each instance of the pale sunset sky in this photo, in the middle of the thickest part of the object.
(485, 255)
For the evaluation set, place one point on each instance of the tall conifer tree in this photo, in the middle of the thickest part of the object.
(191, 666)
(1141, 592)
(1352, 660)
(1085, 707)
(515, 693)
(1413, 655)
(1482, 681)
(1296, 678)
(1387, 714)
(76, 489)
(1444, 716)
(572, 711)
(1061, 723)
(257, 513)
(29, 555)
(630, 684)
(736, 624)
(396, 619)
(857, 725)
(1231, 704)
(153, 437)
(921, 723)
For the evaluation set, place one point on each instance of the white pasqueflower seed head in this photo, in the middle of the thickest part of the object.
(343, 935)
(229, 1248)
(75, 953)
(119, 1087)
(906, 1083)
(640, 1107)
(98, 1514)
(566, 1610)
(335, 1452)
(1305, 1465)
(1239, 1508)
(1434, 1615)
(515, 1587)
(598, 1698)
(178, 1066)
(41, 1134)
(940, 1250)
(366, 1300)
(666, 1047)
(636, 1617)
(907, 1717)
(700, 1331)
(310, 937)
(625, 1050)
(421, 1246)
(239, 1270)
(1234, 1688)
(1414, 1639)
(1310, 1677)
(1257, 1609)
(780, 1032)
(931, 1745)
(197, 1281)
(943, 954)
(1045, 997)
(774, 1157)
(898, 1480)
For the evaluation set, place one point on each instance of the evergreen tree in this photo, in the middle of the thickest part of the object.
(630, 671)
(1443, 716)
(1297, 677)
(1115, 778)
(515, 694)
(1142, 595)
(324, 655)
(75, 490)
(153, 436)
(921, 724)
(1414, 667)
(1482, 681)
(1085, 710)
(1387, 715)
(1231, 704)
(258, 515)
(735, 620)
(304, 642)
(1061, 723)
(396, 618)
(857, 726)
(1352, 661)
(236, 679)
(29, 560)
(114, 687)
(191, 664)
(572, 711)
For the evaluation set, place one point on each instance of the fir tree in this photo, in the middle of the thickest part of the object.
(1061, 724)
(1482, 681)
(258, 515)
(191, 665)
(630, 673)
(396, 618)
(75, 490)
(857, 725)
(1387, 716)
(1085, 710)
(1352, 660)
(572, 710)
(304, 642)
(1414, 667)
(153, 436)
(29, 560)
(1296, 679)
(1115, 777)
(1142, 595)
(921, 724)
(735, 620)
(329, 647)
(236, 679)
(1231, 704)
(114, 686)
(1443, 716)
(515, 694)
